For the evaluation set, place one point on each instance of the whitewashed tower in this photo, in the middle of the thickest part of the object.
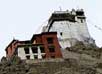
(70, 26)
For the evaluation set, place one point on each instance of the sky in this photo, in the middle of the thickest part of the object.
(20, 19)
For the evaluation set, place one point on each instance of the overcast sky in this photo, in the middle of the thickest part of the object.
(20, 19)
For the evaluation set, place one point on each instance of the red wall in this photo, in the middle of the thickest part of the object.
(11, 48)
(42, 39)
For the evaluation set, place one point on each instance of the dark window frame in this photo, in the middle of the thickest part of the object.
(81, 20)
(34, 49)
(43, 56)
(61, 33)
(50, 40)
(28, 57)
(27, 51)
(51, 49)
(52, 56)
(35, 56)
(42, 49)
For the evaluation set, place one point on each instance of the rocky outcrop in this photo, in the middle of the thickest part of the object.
(68, 66)
(78, 59)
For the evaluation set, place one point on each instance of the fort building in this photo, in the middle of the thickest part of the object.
(70, 26)
(41, 46)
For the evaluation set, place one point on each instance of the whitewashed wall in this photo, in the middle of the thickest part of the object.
(21, 53)
(70, 30)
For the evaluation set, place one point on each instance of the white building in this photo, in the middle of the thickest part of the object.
(70, 26)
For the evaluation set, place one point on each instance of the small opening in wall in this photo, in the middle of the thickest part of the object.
(81, 20)
(52, 49)
(61, 33)
(42, 49)
(35, 56)
(26, 50)
(53, 56)
(50, 40)
(43, 56)
(28, 57)
(34, 50)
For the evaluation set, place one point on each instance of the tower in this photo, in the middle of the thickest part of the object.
(70, 26)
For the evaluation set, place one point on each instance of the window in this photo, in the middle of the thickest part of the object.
(61, 33)
(43, 56)
(26, 50)
(51, 49)
(53, 56)
(81, 20)
(28, 57)
(50, 40)
(35, 56)
(34, 50)
(42, 49)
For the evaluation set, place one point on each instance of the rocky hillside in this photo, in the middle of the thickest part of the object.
(79, 59)
(69, 66)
